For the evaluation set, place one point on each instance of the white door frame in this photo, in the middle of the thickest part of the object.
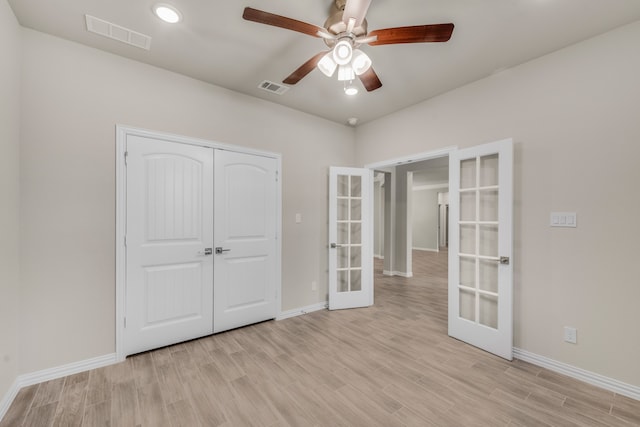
(399, 161)
(121, 214)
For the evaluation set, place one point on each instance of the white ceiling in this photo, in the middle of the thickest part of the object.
(214, 44)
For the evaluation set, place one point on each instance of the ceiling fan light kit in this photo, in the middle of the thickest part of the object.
(344, 31)
(327, 65)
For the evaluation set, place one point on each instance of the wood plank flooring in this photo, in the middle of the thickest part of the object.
(388, 365)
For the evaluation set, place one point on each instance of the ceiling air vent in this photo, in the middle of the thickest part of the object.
(116, 32)
(273, 87)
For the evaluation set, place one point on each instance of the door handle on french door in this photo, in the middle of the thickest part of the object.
(219, 250)
(504, 260)
(335, 245)
(207, 251)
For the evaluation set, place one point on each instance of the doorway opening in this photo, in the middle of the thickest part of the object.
(410, 211)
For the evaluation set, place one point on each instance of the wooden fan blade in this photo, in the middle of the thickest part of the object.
(356, 9)
(267, 18)
(370, 80)
(416, 34)
(304, 69)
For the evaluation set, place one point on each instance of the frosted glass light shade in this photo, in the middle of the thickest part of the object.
(342, 52)
(327, 65)
(361, 62)
(345, 73)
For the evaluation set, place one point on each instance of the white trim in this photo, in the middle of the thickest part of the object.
(397, 273)
(65, 370)
(412, 158)
(52, 374)
(378, 256)
(122, 132)
(429, 187)
(425, 249)
(7, 400)
(592, 378)
(302, 310)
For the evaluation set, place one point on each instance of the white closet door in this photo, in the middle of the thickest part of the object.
(169, 275)
(245, 250)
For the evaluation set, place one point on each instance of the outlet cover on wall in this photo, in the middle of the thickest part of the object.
(570, 335)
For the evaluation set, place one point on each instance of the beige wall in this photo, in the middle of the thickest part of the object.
(9, 195)
(72, 99)
(574, 118)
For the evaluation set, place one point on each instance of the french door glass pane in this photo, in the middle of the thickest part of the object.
(356, 186)
(343, 233)
(488, 275)
(488, 205)
(468, 173)
(343, 185)
(468, 206)
(468, 272)
(356, 209)
(356, 257)
(343, 281)
(343, 257)
(356, 280)
(343, 210)
(468, 239)
(489, 170)
(468, 305)
(488, 237)
(488, 310)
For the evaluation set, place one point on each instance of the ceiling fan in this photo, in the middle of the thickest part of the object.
(344, 32)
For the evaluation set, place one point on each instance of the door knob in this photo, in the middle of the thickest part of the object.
(335, 245)
(219, 250)
(504, 260)
(207, 251)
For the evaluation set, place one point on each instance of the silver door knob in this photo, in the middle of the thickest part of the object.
(335, 245)
(219, 250)
(207, 251)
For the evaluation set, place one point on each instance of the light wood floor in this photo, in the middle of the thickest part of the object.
(387, 365)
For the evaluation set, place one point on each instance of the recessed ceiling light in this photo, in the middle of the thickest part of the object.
(167, 13)
(352, 121)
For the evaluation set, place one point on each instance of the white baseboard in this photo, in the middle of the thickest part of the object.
(51, 374)
(8, 399)
(425, 249)
(397, 273)
(592, 378)
(302, 310)
(378, 256)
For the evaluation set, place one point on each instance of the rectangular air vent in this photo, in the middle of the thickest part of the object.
(116, 32)
(272, 87)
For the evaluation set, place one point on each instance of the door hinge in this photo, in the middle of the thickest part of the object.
(126, 154)
(276, 176)
(125, 241)
(125, 322)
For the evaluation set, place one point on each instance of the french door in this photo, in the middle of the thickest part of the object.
(350, 238)
(480, 247)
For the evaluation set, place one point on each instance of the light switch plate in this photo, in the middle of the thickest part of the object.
(563, 219)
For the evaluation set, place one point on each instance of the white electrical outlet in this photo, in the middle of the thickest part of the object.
(570, 335)
(314, 286)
